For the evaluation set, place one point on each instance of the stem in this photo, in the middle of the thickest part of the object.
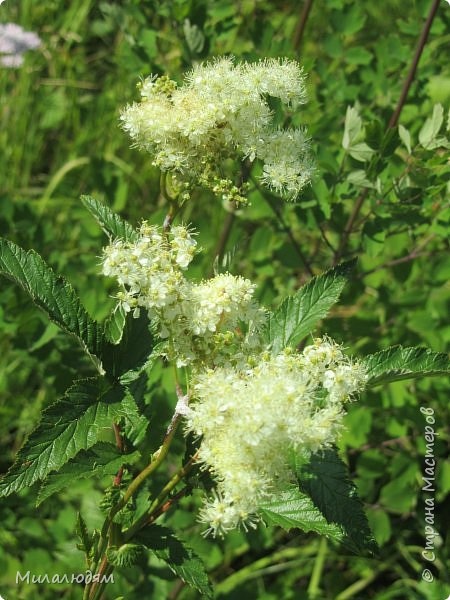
(314, 584)
(154, 511)
(250, 571)
(349, 225)
(403, 259)
(119, 440)
(121, 447)
(96, 585)
(157, 459)
(300, 29)
(285, 227)
(412, 70)
(392, 123)
(359, 585)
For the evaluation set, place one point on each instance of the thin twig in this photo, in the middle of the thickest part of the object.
(349, 225)
(300, 29)
(118, 436)
(412, 71)
(285, 227)
(416, 253)
(324, 237)
(290, 235)
(392, 123)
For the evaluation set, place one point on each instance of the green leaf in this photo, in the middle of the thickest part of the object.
(130, 356)
(69, 425)
(293, 509)
(390, 142)
(195, 39)
(297, 315)
(374, 134)
(51, 293)
(136, 423)
(352, 127)
(397, 363)
(100, 460)
(358, 56)
(115, 324)
(431, 127)
(179, 557)
(126, 555)
(82, 532)
(113, 225)
(405, 136)
(358, 178)
(361, 152)
(326, 480)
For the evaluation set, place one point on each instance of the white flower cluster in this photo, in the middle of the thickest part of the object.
(221, 111)
(249, 421)
(14, 41)
(200, 320)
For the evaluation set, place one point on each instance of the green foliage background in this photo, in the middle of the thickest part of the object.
(60, 138)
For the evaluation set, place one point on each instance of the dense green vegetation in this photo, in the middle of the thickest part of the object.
(379, 194)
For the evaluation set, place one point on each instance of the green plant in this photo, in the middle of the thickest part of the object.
(223, 349)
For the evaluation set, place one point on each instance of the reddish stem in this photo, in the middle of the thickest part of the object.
(392, 123)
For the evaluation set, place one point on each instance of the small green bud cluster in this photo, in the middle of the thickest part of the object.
(222, 112)
(250, 419)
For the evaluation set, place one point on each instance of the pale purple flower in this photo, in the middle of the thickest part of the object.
(14, 41)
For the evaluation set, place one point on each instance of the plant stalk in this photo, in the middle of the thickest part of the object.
(392, 123)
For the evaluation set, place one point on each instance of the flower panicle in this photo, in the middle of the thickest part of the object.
(222, 111)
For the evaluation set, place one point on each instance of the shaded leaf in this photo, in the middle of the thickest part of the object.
(66, 427)
(179, 557)
(132, 353)
(327, 481)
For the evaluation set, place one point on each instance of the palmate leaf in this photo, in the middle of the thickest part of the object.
(298, 314)
(51, 293)
(397, 363)
(178, 556)
(66, 427)
(113, 225)
(100, 460)
(327, 482)
(293, 509)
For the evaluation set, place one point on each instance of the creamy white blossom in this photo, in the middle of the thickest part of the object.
(199, 320)
(250, 419)
(221, 111)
